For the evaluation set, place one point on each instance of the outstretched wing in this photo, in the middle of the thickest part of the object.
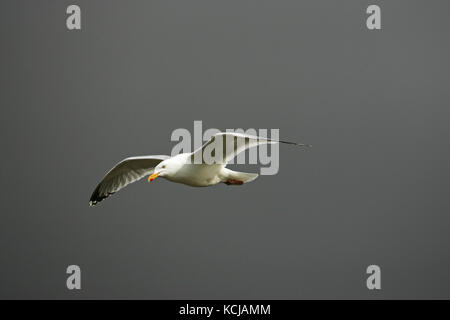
(224, 146)
(125, 172)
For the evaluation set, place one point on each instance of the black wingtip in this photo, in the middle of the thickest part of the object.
(96, 197)
(297, 144)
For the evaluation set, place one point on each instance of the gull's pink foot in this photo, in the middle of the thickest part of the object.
(234, 182)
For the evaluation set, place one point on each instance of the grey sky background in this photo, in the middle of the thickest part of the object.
(372, 190)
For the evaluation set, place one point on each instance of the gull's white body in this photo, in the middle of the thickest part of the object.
(199, 175)
(194, 175)
(181, 168)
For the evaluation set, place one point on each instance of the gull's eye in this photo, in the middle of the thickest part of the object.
(163, 167)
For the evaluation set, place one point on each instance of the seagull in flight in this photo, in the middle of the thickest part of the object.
(192, 169)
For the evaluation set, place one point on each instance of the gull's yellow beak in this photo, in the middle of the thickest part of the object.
(153, 176)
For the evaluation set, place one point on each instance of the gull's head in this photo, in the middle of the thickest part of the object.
(165, 168)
